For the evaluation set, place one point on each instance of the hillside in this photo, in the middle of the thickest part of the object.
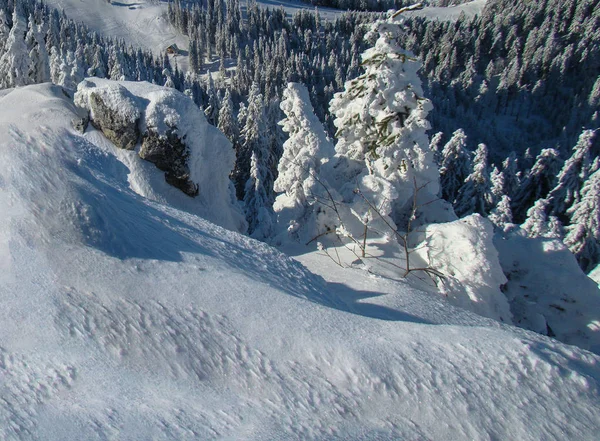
(126, 319)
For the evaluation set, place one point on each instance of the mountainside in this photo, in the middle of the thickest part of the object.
(124, 318)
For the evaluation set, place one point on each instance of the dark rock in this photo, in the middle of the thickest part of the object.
(122, 131)
(81, 124)
(169, 154)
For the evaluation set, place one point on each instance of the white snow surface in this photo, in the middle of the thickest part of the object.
(547, 290)
(139, 22)
(449, 13)
(124, 318)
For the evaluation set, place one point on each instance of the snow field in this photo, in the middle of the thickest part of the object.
(127, 319)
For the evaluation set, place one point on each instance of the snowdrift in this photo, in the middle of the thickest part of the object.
(125, 318)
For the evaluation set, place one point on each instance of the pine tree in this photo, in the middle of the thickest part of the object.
(257, 203)
(39, 67)
(475, 196)
(510, 170)
(15, 61)
(300, 207)
(227, 122)
(497, 183)
(212, 104)
(574, 173)
(538, 184)
(436, 147)
(381, 116)
(539, 224)
(455, 166)
(252, 136)
(583, 235)
(501, 216)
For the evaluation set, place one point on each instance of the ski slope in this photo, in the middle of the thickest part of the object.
(123, 318)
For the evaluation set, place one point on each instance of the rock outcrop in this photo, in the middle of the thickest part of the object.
(170, 154)
(116, 112)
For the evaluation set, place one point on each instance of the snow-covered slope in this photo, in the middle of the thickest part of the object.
(450, 13)
(139, 22)
(125, 319)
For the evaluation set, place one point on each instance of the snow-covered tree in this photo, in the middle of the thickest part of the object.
(502, 214)
(257, 203)
(15, 61)
(583, 235)
(381, 119)
(510, 170)
(4, 30)
(212, 104)
(227, 122)
(300, 206)
(39, 67)
(497, 184)
(539, 182)
(436, 147)
(474, 196)
(455, 165)
(539, 224)
(572, 176)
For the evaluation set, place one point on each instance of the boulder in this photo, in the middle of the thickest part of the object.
(170, 154)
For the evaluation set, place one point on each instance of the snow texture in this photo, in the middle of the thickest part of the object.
(124, 318)
(547, 290)
(464, 252)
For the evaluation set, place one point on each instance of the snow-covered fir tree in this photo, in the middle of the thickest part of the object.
(574, 173)
(257, 202)
(381, 119)
(455, 165)
(583, 235)
(227, 122)
(39, 67)
(539, 182)
(539, 224)
(501, 215)
(15, 61)
(475, 196)
(303, 205)
(511, 173)
(497, 184)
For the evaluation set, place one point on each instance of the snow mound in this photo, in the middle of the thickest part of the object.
(123, 318)
(163, 111)
(464, 252)
(547, 290)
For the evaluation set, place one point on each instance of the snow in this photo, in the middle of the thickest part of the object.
(547, 290)
(139, 22)
(211, 157)
(450, 13)
(464, 252)
(125, 318)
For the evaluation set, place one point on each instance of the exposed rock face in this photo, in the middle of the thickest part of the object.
(170, 154)
(121, 130)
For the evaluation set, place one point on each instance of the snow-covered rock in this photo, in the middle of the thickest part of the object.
(175, 136)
